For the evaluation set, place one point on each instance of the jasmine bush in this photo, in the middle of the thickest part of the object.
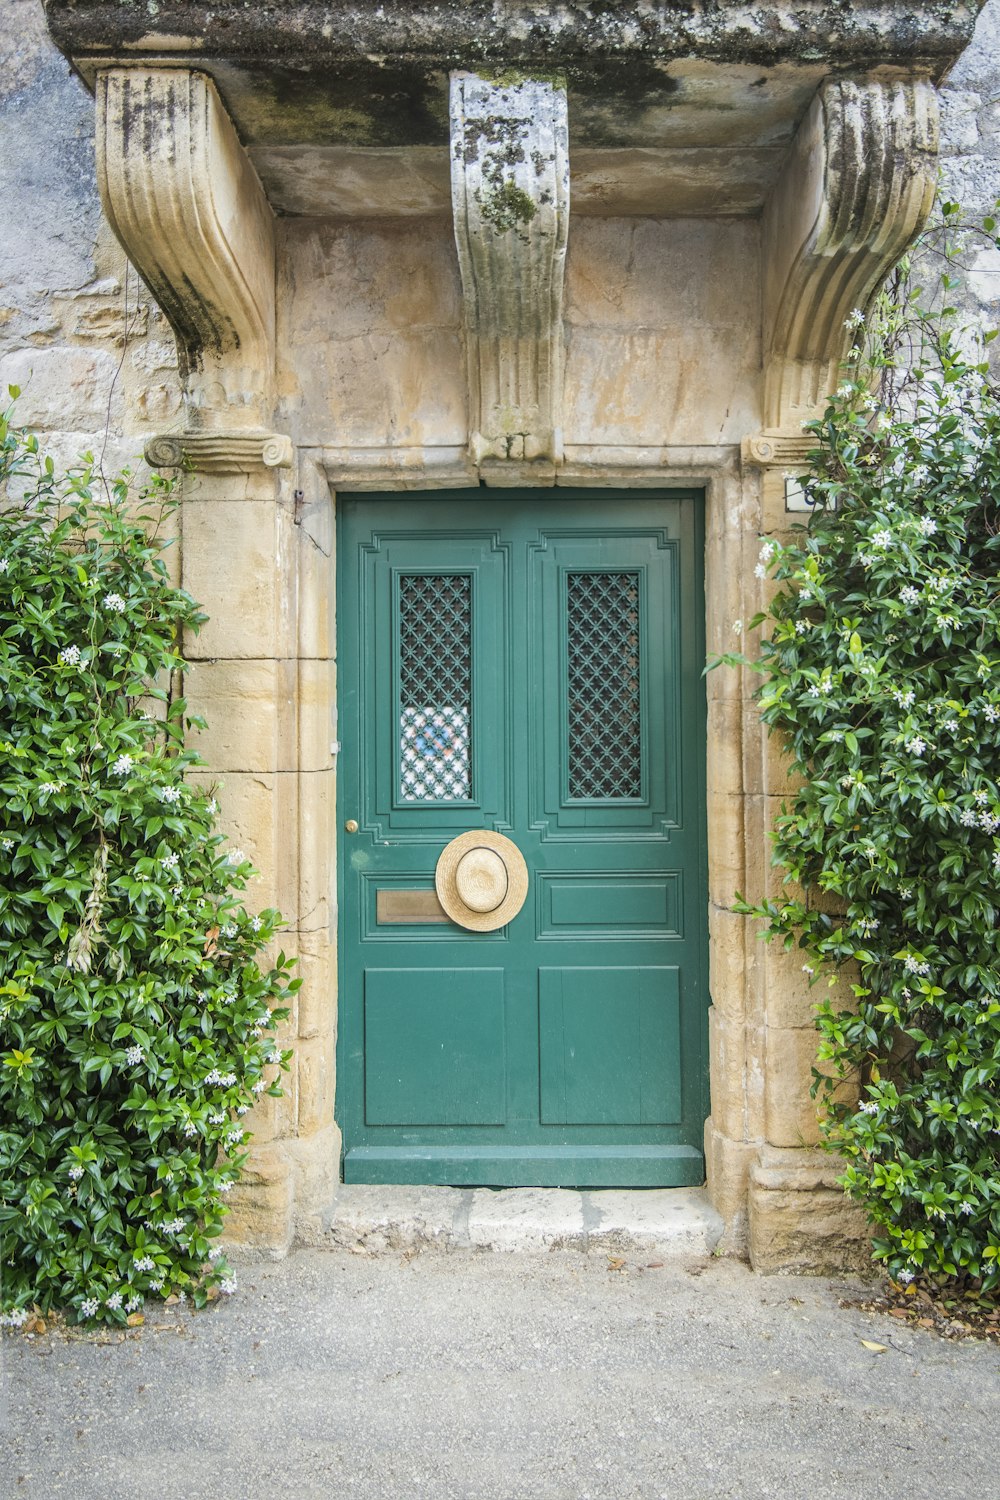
(881, 668)
(136, 1013)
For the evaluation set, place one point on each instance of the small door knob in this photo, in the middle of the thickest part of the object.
(351, 826)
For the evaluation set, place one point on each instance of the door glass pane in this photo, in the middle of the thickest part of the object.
(435, 686)
(602, 618)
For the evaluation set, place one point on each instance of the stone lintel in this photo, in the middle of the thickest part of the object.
(451, 33)
(856, 189)
(510, 200)
(220, 452)
(185, 203)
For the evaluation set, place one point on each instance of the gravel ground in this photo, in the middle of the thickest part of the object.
(468, 1374)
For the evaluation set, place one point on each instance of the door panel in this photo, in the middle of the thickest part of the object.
(531, 665)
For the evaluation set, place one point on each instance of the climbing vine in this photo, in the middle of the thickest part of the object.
(880, 658)
(137, 1012)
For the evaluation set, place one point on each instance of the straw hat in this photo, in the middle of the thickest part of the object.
(481, 880)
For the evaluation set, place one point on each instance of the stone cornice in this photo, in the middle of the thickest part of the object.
(463, 33)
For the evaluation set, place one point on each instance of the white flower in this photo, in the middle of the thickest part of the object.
(868, 1107)
(122, 766)
(169, 793)
(242, 1109)
(259, 1086)
(227, 1285)
(173, 1226)
(170, 861)
(215, 1252)
(190, 1128)
(4, 564)
(965, 1207)
(232, 1136)
(217, 1118)
(992, 713)
(213, 1077)
(89, 1306)
(738, 627)
(801, 626)
(133, 1303)
(235, 856)
(996, 860)
(868, 925)
(225, 1187)
(70, 655)
(115, 1301)
(228, 1079)
(905, 1277)
(908, 594)
(854, 318)
(156, 1286)
(76, 1172)
(927, 525)
(914, 965)
(916, 746)
(760, 571)
(144, 1263)
(905, 891)
(767, 551)
(8, 844)
(51, 786)
(808, 969)
(951, 725)
(846, 391)
(16, 1318)
(212, 806)
(904, 699)
(882, 538)
(115, 603)
(134, 1055)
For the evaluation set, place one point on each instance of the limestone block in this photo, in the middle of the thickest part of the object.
(315, 1173)
(725, 737)
(728, 1163)
(241, 701)
(799, 1219)
(317, 999)
(729, 936)
(727, 1050)
(60, 387)
(316, 1074)
(257, 812)
(314, 722)
(317, 841)
(726, 853)
(792, 1115)
(261, 1206)
(231, 552)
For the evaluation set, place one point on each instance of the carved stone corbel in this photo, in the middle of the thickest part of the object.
(857, 187)
(510, 200)
(180, 193)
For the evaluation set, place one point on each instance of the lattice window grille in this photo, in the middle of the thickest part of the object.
(435, 687)
(605, 709)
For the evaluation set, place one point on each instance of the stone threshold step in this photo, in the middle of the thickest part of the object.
(648, 1221)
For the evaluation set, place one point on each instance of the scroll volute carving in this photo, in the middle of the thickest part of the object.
(187, 207)
(857, 188)
(510, 200)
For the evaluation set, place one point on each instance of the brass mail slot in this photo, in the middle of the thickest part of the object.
(408, 906)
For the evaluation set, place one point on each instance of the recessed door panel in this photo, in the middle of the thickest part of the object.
(529, 665)
(609, 1046)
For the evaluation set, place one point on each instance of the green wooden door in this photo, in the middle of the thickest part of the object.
(527, 664)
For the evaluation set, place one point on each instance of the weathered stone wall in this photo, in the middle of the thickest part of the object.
(79, 333)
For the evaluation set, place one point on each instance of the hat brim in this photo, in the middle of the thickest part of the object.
(447, 891)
